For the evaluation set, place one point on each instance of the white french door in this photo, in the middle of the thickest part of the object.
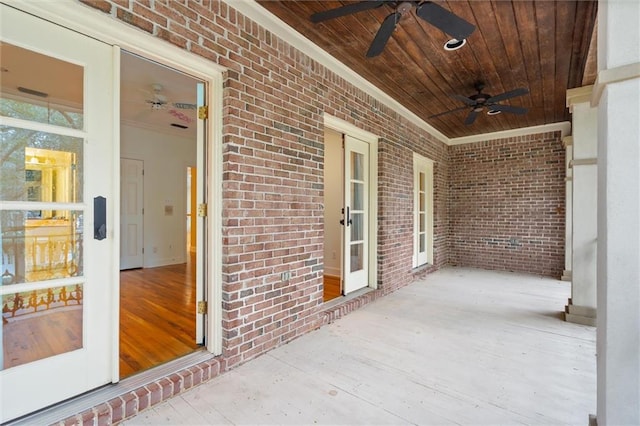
(56, 213)
(356, 215)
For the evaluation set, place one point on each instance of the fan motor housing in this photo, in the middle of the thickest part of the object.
(404, 7)
(480, 97)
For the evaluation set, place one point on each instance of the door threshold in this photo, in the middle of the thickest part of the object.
(344, 299)
(339, 307)
(86, 401)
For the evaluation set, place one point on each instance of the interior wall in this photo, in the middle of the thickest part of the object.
(333, 202)
(166, 158)
(507, 201)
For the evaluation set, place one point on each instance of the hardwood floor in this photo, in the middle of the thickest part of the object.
(157, 316)
(157, 322)
(331, 287)
(41, 335)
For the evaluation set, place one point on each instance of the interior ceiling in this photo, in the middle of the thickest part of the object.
(63, 85)
(139, 81)
(542, 46)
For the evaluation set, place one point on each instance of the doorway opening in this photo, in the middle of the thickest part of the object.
(350, 220)
(159, 267)
(333, 207)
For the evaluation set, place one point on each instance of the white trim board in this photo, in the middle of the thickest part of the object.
(348, 128)
(613, 75)
(564, 128)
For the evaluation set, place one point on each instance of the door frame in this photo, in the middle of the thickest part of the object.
(371, 139)
(96, 24)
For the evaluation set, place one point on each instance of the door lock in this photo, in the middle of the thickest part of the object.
(99, 218)
(348, 218)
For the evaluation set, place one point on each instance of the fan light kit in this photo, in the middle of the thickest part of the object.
(432, 13)
(479, 101)
(454, 44)
(159, 100)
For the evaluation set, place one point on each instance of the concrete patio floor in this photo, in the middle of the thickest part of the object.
(463, 346)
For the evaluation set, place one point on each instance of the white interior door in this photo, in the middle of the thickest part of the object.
(56, 122)
(356, 215)
(131, 213)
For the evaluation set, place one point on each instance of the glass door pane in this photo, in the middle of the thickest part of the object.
(42, 237)
(357, 212)
(52, 97)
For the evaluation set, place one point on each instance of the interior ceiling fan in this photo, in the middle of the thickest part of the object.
(159, 101)
(434, 14)
(479, 101)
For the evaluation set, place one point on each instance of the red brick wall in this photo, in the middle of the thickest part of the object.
(395, 253)
(274, 101)
(507, 204)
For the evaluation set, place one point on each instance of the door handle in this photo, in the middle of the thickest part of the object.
(99, 218)
(349, 221)
(348, 218)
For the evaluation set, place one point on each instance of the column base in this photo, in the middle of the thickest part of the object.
(584, 315)
(566, 275)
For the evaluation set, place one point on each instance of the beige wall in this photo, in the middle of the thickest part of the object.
(166, 158)
(333, 202)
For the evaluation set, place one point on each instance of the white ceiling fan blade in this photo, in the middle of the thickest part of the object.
(183, 105)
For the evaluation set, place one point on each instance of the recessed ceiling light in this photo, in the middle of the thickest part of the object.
(455, 44)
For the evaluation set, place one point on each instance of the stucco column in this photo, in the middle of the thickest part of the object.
(584, 170)
(567, 142)
(617, 96)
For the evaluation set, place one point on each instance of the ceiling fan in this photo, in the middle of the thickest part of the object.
(159, 101)
(432, 13)
(479, 101)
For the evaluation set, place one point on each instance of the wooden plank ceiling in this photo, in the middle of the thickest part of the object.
(538, 45)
